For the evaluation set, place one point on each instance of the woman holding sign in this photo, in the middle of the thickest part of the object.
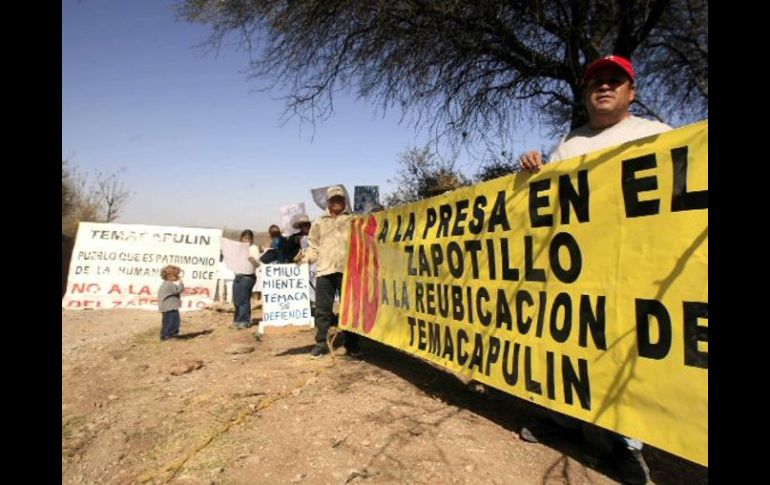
(244, 283)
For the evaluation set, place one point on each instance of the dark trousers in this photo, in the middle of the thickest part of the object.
(242, 286)
(169, 324)
(613, 438)
(326, 287)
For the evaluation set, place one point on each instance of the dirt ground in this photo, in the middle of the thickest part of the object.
(275, 415)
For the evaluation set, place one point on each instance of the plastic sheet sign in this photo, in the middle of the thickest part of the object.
(118, 265)
(285, 295)
(582, 288)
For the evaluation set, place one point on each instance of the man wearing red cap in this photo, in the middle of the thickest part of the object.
(609, 91)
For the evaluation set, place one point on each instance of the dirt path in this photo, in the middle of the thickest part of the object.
(275, 415)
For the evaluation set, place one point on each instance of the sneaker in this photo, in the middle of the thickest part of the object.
(319, 350)
(630, 465)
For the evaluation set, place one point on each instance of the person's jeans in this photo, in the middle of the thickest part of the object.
(169, 324)
(326, 287)
(242, 286)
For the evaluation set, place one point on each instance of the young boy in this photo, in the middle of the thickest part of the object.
(169, 301)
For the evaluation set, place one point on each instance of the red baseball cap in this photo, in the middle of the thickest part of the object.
(611, 60)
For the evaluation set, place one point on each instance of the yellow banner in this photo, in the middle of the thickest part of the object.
(582, 288)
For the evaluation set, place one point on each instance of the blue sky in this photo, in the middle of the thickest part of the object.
(197, 144)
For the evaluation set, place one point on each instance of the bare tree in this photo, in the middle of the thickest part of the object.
(675, 75)
(97, 198)
(112, 193)
(495, 167)
(496, 164)
(467, 70)
(423, 174)
(67, 190)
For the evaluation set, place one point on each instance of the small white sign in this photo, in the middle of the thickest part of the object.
(288, 214)
(285, 295)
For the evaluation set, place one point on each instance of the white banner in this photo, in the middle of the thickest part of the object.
(118, 265)
(285, 295)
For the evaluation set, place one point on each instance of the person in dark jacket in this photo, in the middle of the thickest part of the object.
(293, 243)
